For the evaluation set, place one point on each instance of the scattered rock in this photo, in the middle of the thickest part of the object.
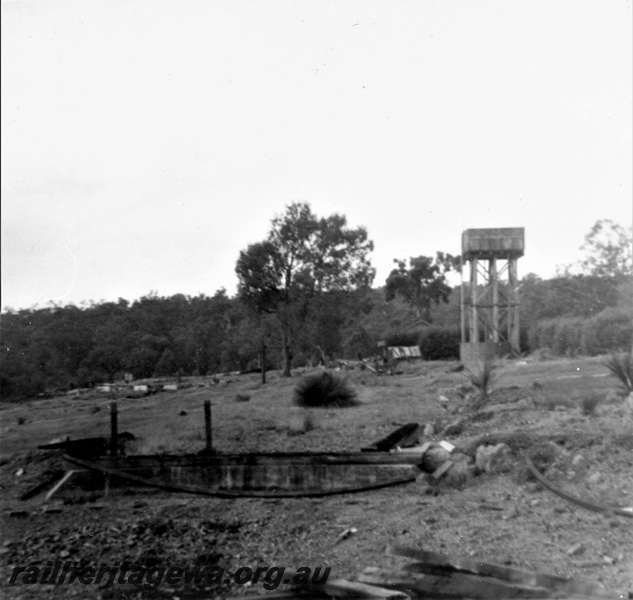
(456, 427)
(513, 513)
(494, 459)
(579, 459)
(594, 477)
(242, 398)
(51, 510)
(575, 550)
(483, 416)
(183, 413)
(19, 473)
(429, 430)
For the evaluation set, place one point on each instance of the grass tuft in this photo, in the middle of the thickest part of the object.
(324, 390)
(621, 367)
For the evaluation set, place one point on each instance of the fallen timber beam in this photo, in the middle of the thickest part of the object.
(588, 505)
(434, 563)
(393, 439)
(453, 585)
(342, 588)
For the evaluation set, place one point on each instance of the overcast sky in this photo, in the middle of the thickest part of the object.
(144, 144)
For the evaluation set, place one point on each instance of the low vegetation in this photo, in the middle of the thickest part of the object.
(621, 367)
(482, 377)
(324, 390)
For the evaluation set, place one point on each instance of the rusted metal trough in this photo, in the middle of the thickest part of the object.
(258, 475)
(273, 474)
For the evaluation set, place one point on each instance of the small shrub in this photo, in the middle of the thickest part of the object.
(544, 455)
(542, 334)
(440, 343)
(621, 367)
(408, 338)
(482, 379)
(567, 336)
(324, 390)
(588, 404)
(609, 331)
(242, 398)
(301, 423)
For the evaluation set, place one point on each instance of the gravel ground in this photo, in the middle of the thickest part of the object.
(501, 517)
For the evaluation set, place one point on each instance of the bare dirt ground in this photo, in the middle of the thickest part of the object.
(502, 518)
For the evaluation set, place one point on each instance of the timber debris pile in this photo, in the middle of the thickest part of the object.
(440, 576)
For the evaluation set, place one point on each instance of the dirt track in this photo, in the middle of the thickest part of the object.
(502, 518)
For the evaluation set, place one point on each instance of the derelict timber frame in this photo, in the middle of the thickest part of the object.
(490, 308)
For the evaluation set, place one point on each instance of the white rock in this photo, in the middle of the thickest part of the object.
(594, 478)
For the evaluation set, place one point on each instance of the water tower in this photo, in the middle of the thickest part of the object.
(490, 303)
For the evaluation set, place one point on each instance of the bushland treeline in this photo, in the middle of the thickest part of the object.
(64, 347)
(305, 295)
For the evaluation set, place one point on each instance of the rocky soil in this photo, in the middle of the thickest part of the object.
(501, 516)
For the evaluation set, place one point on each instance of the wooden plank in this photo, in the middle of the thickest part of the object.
(265, 458)
(442, 469)
(452, 563)
(416, 449)
(341, 588)
(40, 487)
(59, 484)
(451, 585)
(387, 443)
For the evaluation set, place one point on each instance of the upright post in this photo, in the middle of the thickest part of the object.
(114, 429)
(207, 423)
(513, 310)
(494, 285)
(474, 319)
(461, 304)
(263, 362)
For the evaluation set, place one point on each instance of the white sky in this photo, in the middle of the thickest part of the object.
(144, 144)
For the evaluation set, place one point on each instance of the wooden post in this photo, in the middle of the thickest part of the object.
(513, 307)
(114, 429)
(462, 317)
(494, 284)
(207, 423)
(263, 363)
(474, 319)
